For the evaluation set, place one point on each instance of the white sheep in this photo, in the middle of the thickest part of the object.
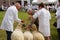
(18, 34)
(28, 35)
(36, 35)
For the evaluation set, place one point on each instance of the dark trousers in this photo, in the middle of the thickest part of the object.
(8, 35)
(58, 30)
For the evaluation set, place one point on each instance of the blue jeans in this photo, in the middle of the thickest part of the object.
(8, 35)
(58, 30)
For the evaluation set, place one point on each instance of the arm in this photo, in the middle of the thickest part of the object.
(37, 14)
(57, 15)
(16, 16)
(32, 21)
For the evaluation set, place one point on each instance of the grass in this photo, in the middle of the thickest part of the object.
(24, 15)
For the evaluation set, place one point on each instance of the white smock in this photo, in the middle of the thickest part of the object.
(44, 23)
(11, 15)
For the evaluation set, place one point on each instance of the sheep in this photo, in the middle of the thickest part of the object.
(28, 35)
(36, 35)
(18, 34)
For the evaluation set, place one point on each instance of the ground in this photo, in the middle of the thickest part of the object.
(24, 15)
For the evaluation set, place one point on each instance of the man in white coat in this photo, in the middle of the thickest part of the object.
(43, 17)
(11, 15)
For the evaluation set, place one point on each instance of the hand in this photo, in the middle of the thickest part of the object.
(29, 26)
(22, 21)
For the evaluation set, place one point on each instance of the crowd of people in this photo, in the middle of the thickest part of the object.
(42, 14)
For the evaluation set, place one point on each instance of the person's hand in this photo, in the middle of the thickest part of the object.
(22, 21)
(29, 26)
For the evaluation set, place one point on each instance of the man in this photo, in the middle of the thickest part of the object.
(31, 12)
(58, 19)
(43, 17)
(9, 18)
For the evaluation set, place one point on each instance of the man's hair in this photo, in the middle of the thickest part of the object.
(12, 3)
(41, 5)
(59, 0)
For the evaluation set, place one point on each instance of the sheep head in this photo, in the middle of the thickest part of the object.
(34, 28)
(20, 26)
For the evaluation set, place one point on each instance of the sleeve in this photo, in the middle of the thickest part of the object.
(57, 14)
(37, 14)
(49, 16)
(16, 16)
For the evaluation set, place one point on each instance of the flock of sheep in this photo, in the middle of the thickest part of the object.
(18, 34)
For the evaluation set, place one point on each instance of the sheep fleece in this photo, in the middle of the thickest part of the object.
(37, 36)
(17, 35)
(28, 35)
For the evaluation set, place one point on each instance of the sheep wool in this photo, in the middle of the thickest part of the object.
(28, 35)
(36, 35)
(17, 34)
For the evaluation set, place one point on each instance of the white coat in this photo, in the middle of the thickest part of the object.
(58, 15)
(44, 24)
(11, 15)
